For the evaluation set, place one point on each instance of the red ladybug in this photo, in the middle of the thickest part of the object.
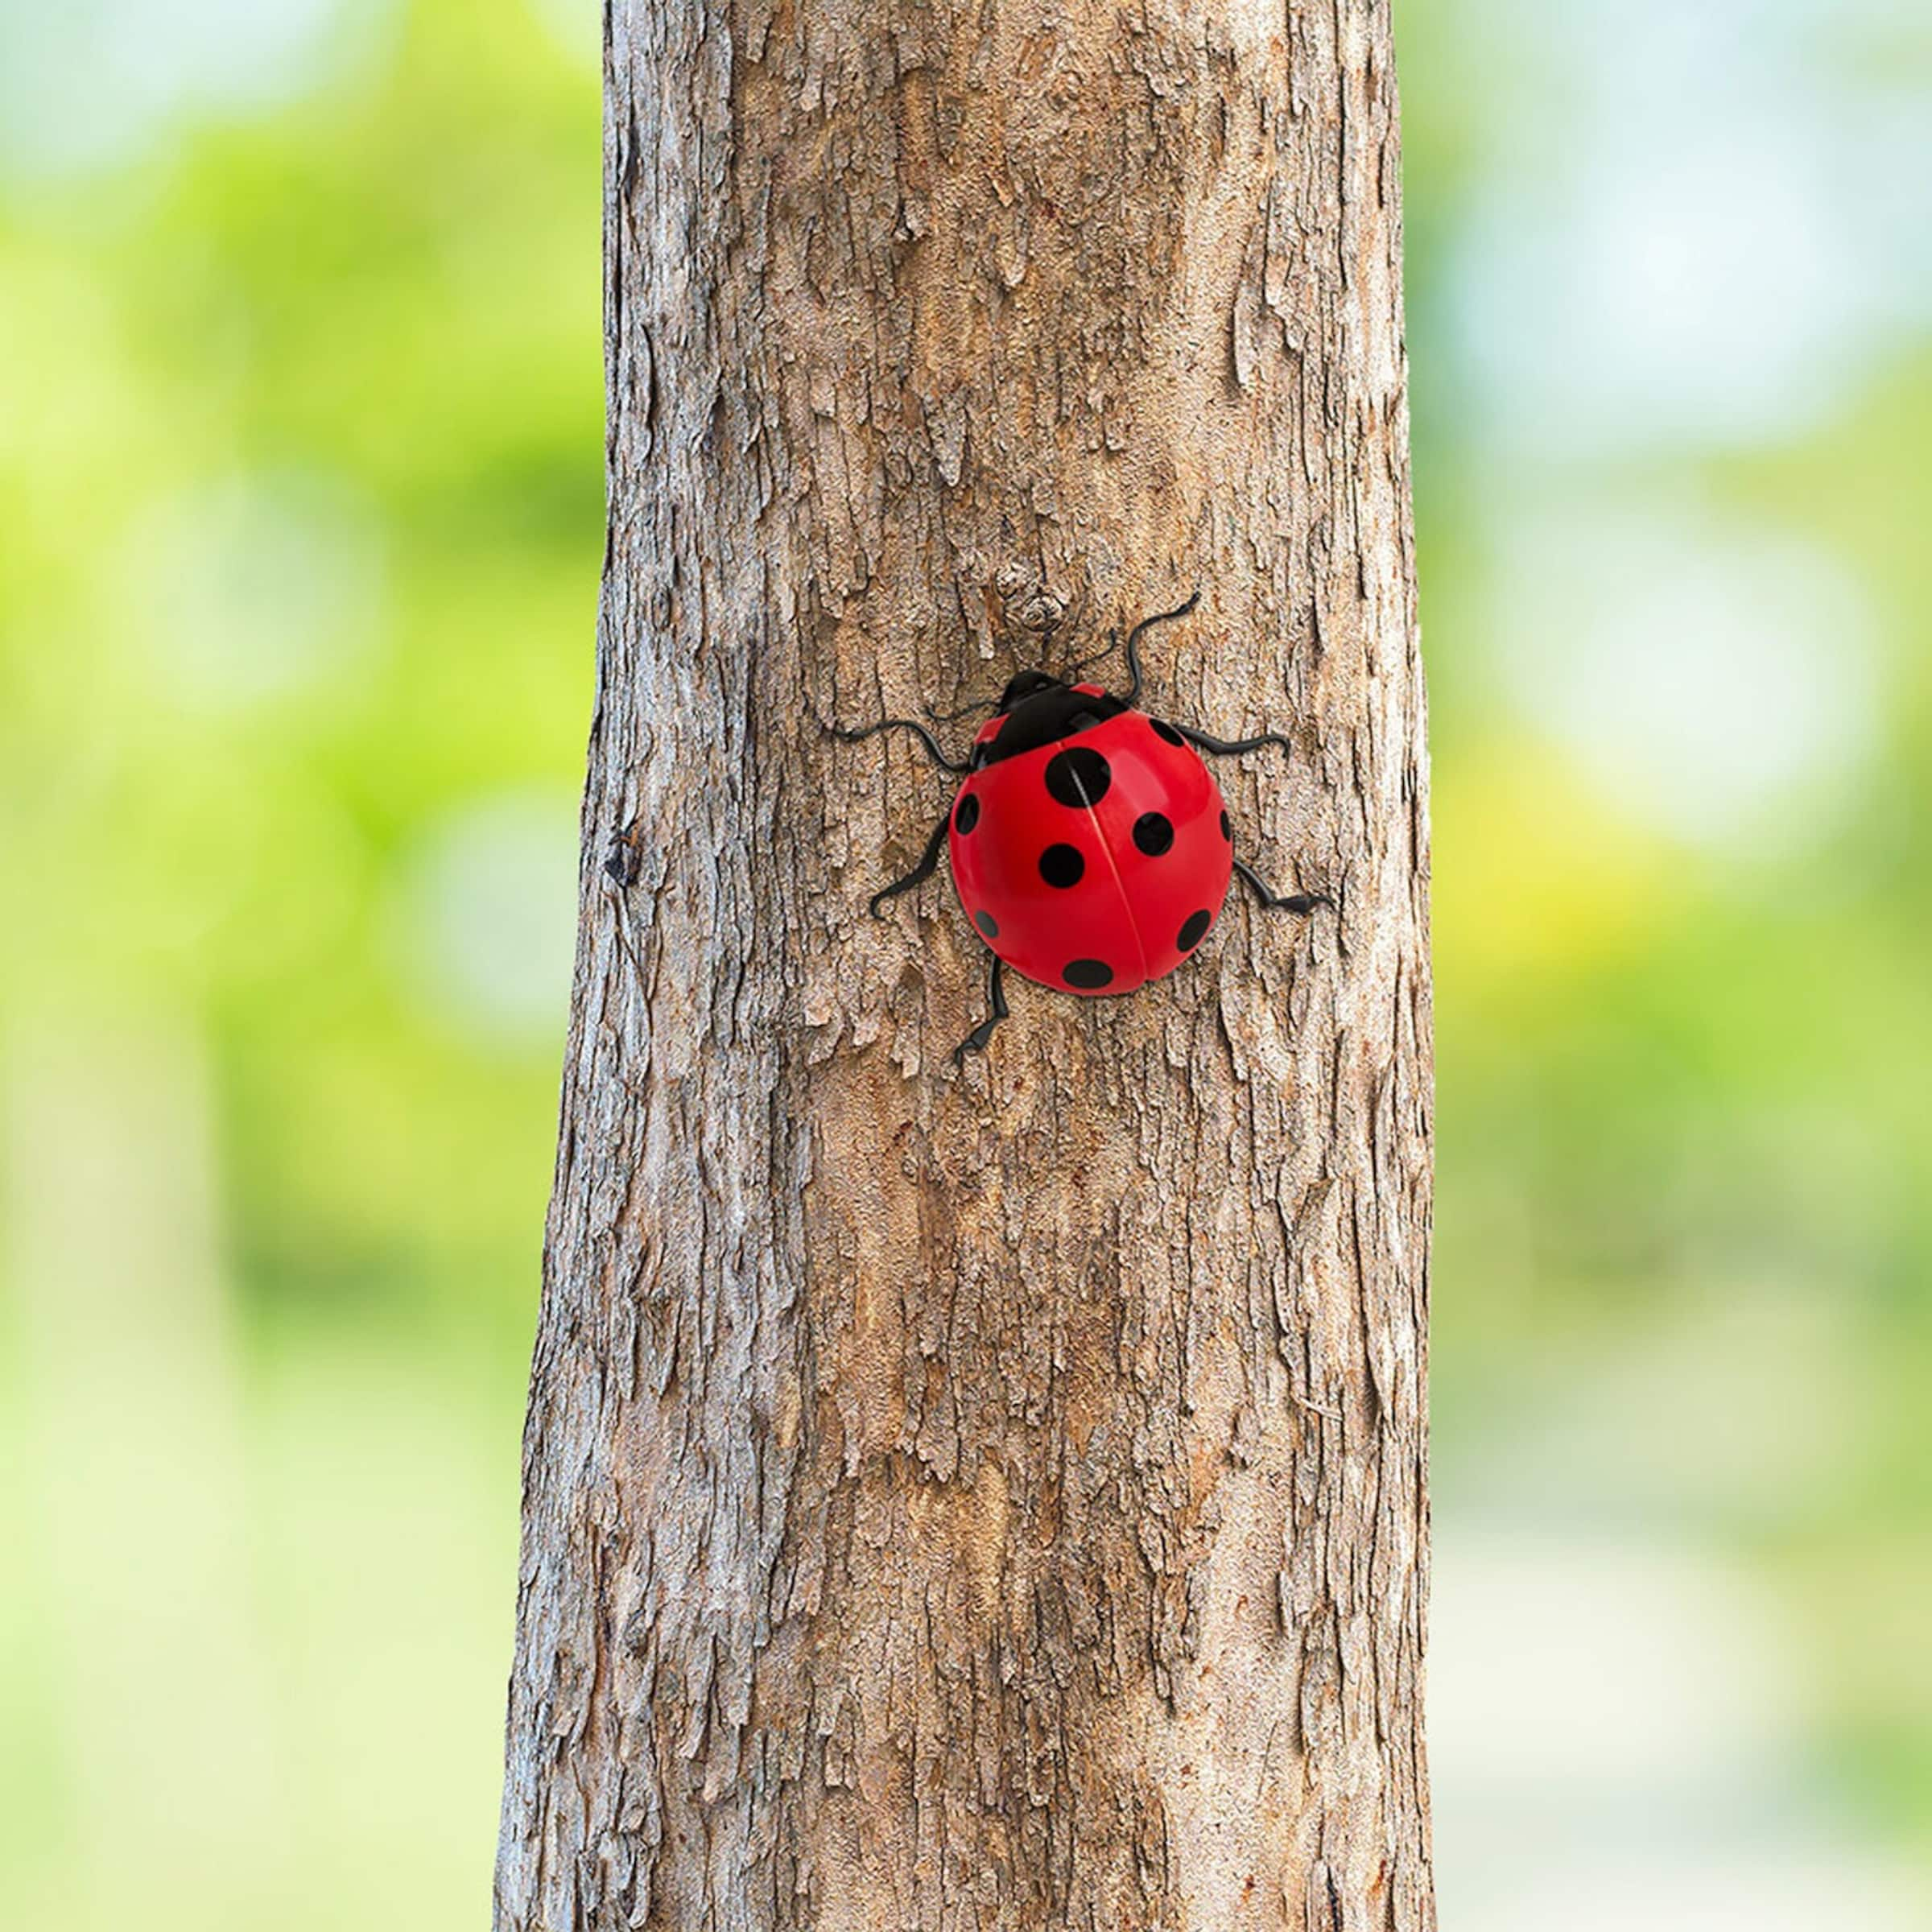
(1090, 845)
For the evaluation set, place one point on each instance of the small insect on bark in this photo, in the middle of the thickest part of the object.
(623, 861)
(1090, 845)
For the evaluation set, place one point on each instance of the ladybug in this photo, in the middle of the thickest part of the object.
(1090, 845)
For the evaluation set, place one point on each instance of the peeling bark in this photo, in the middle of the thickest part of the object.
(998, 1501)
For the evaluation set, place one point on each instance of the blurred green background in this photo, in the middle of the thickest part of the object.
(300, 483)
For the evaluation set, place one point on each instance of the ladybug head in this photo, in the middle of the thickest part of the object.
(1036, 710)
(1027, 684)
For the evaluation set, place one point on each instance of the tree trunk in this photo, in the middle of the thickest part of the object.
(992, 1501)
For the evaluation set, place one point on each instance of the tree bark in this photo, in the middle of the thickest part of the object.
(993, 1500)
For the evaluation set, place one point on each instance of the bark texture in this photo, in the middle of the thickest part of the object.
(998, 1501)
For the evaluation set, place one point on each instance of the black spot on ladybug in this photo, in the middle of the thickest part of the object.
(987, 924)
(1079, 777)
(1062, 865)
(968, 814)
(1226, 829)
(1164, 730)
(1088, 975)
(1153, 833)
(1194, 929)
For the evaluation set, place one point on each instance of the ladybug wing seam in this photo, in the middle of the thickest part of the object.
(1119, 884)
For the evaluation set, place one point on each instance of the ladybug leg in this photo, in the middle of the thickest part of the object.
(928, 864)
(851, 735)
(1280, 902)
(1221, 747)
(981, 1036)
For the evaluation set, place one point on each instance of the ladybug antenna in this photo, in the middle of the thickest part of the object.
(1086, 663)
(852, 735)
(975, 706)
(1133, 638)
(958, 711)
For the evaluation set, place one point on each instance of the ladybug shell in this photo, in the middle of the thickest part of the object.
(1096, 863)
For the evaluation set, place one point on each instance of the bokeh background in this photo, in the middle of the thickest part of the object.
(300, 453)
